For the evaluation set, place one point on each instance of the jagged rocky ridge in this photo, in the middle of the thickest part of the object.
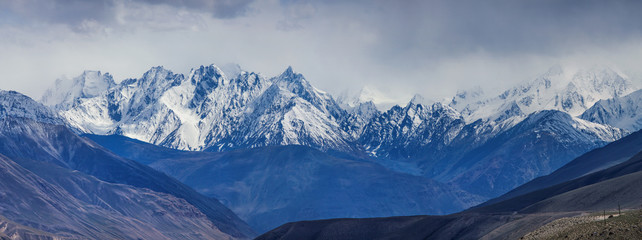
(623, 112)
(209, 110)
(55, 183)
(215, 111)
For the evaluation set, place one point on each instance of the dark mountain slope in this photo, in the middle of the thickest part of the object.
(23, 140)
(623, 187)
(510, 219)
(272, 185)
(595, 160)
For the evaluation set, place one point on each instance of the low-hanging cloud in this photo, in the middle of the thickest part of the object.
(218, 8)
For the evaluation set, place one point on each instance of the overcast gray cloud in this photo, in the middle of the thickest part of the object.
(398, 47)
(218, 8)
(75, 12)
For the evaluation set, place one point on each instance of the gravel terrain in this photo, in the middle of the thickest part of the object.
(594, 226)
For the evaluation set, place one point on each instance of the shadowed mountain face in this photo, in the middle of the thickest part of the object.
(539, 144)
(595, 160)
(510, 219)
(599, 190)
(273, 185)
(58, 182)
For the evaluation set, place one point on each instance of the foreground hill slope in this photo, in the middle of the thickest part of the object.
(612, 225)
(12, 230)
(89, 192)
(74, 205)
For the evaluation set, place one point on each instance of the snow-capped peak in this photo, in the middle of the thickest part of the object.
(289, 71)
(208, 75)
(419, 99)
(296, 83)
(464, 98)
(158, 78)
(17, 105)
(89, 84)
(231, 70)
(349, 99)
(208, 109)
(564, 89)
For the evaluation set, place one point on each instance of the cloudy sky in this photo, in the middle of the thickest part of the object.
(397, 48)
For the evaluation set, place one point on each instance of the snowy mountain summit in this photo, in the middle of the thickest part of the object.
(65, 91)
(566, 90)
(207, 109)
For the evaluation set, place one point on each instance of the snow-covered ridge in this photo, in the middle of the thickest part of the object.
(623, 112)
(212, 109)
(17, 105)
(560, 89)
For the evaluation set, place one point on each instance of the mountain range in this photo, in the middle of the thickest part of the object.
(474, 141)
